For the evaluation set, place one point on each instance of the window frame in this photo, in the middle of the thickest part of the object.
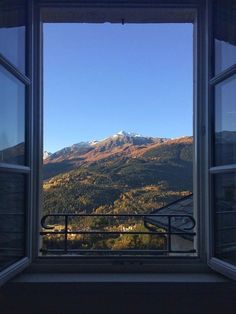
(125, 264)
(215, 263)
(26, 169)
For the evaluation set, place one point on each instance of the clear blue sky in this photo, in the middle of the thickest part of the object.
(103, 78)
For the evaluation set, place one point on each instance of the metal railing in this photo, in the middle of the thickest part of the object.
(69, 226)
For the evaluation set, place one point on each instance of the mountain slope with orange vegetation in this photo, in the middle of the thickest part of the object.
(121, 145)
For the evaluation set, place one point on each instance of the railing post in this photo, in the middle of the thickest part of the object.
(66, 233)
(169, 234)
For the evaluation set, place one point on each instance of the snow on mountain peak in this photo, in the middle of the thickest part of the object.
(73, 148)
(124, 133)
(46, 154)
(94, 142)
(121, 133)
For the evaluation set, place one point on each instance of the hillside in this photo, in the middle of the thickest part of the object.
(14, 154)
(118, 146)
(124, 173)
(143, 172)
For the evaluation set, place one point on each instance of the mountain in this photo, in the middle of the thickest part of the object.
(122, 174)
(225, 142)
(120, 141)
(14, 154)
(225, 137)
(46, 154)
(118, 174)
(120, 144)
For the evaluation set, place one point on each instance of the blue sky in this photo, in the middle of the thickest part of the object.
(103, 78)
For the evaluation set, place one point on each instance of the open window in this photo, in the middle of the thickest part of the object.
(20, 160)
(222, 108)
(108, 192)
(15, 121)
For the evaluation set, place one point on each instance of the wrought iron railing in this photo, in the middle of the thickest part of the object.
(59, 237)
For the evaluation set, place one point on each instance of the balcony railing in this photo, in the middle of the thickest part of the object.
(67, 234)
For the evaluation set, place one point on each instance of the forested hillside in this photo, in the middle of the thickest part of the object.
(141, 181)
(125, 178)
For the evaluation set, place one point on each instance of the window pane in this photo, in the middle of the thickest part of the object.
(225, 122)
(225, 34)
(12, 215)
(225, 214)
(12, 119)
(12, 32)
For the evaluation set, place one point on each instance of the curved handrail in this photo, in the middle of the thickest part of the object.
(169, 216)
(168, 232)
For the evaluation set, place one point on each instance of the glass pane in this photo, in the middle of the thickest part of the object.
(225, 122)
(12, 215)
(225, 217)
(225, 34)
(12, 119)
(12, 32)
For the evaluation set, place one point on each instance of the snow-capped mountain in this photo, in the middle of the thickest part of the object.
(115, 143)
(124, 138)
(65, 152)
(123, 133)
(46, 154)
(119, 146)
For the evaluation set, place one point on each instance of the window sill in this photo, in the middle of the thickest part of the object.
(33, 278)
(119, 293)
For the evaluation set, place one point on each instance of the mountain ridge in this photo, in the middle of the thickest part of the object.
(118, 148)
(122, 174)
(116, 140)
(125, 178)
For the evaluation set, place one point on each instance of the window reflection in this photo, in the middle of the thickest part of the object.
(12, 119)
(225, 214)
(12, 32)
(225, 122)
(225, 34)
(12, 215)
